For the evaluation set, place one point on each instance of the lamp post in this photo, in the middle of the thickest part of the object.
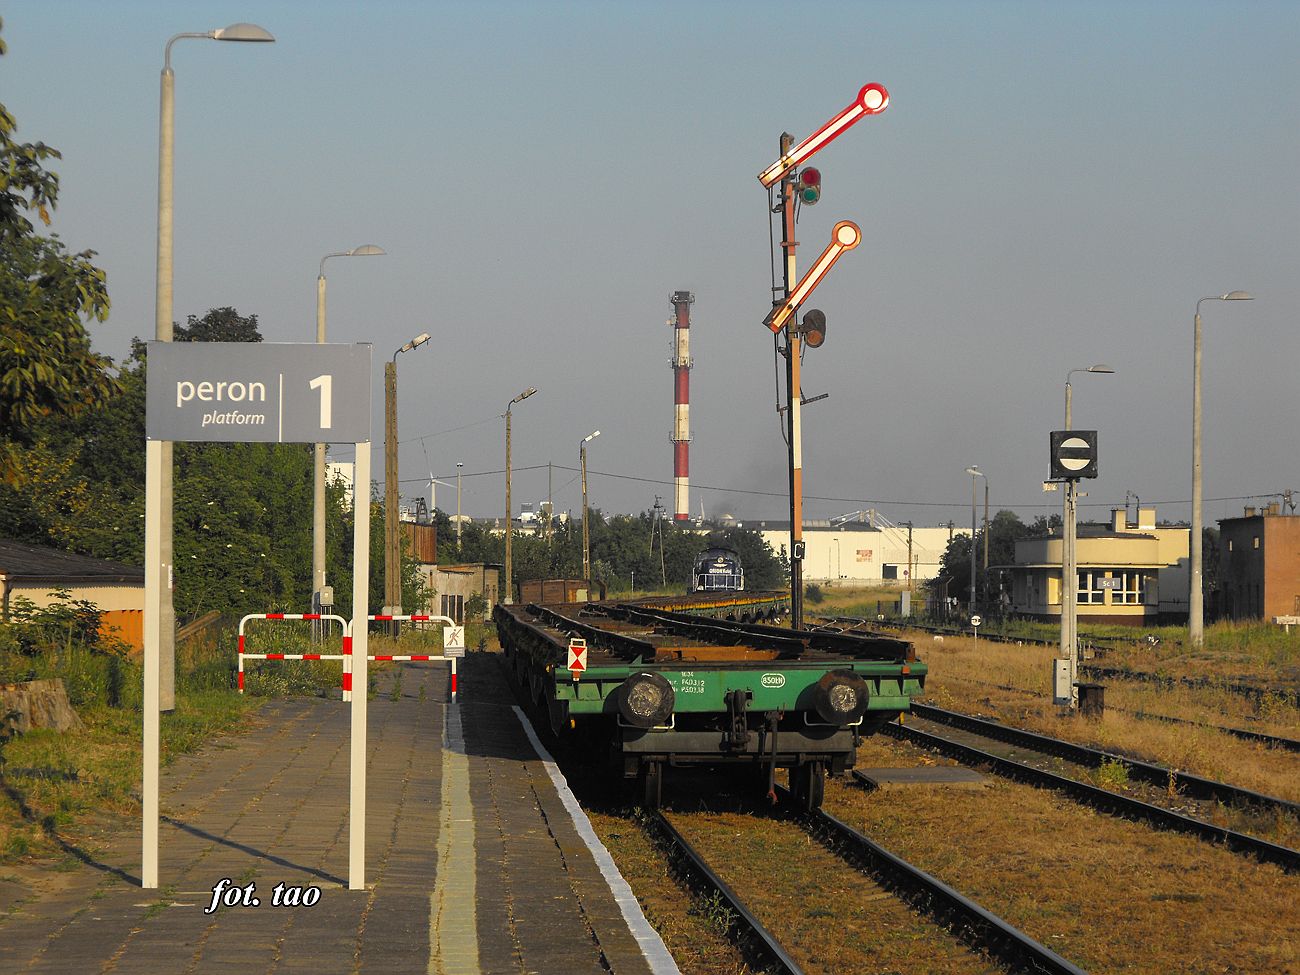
(1069, 542)
(459, 465)
(586, 535)
(318, 472)
(392, 545)
(509, 580)
(1195, 599)
(974, 472)
(160, 669)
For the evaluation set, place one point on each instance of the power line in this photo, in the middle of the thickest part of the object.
(962, 505)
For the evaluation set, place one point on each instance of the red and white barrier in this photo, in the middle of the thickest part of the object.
(345, 656)
(445, 620)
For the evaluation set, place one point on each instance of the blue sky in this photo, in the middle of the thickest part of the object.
(1053, 185)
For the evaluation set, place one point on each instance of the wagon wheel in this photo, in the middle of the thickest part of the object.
(810, 785)
(650, 779)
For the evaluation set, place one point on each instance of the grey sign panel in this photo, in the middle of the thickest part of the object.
(258, 392)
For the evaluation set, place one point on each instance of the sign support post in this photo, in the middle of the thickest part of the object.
(360, 679)
(153, 582)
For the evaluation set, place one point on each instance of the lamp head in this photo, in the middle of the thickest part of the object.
(242, 32)
(591, 436)
(1237, 296)
(525, 394)
(415, 343)
(974, 472)
(1102, 368)
(366, 250)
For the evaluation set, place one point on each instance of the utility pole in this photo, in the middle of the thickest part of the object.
(392, 542)
(910, 573)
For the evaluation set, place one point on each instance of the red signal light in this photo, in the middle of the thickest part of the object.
(810, 185)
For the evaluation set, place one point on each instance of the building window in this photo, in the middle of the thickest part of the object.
(1256, 541)
(1132, 590)
(1230, 545)
(1090, 591)
(454, 606)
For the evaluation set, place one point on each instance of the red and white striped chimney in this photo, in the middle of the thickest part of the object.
(681, 438)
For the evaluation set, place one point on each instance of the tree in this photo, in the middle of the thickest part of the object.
(218, 325)
(1004, 531)
(47, 295)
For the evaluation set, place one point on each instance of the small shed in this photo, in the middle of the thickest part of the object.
(34, 572)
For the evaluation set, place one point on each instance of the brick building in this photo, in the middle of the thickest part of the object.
(1259, 564)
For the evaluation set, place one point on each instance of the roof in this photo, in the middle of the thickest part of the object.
(21, 562)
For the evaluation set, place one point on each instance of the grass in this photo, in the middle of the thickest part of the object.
(1110, 895)
(59, 786)
(1013, 684)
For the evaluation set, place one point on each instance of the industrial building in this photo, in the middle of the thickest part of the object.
(861, 552)
(1259, 564)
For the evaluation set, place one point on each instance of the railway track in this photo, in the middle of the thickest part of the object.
(1256, 737)
(1255, 692)
(974, 925)
(857, 624)
(1102, 799)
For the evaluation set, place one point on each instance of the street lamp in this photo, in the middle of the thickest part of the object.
(509, 580)
(586, 536)
(1069, 540)
(975, 472)
(318, 474)
(392, 546)
(459, 465)
(159, 681)
(1195, 601)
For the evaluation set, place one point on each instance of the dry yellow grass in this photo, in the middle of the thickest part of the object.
(975, 677)
(1110, 895)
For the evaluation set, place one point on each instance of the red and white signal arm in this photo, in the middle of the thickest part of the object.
(872, 100)
(577, 656)
(844, 237)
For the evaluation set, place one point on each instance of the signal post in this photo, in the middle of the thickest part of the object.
(805, 186)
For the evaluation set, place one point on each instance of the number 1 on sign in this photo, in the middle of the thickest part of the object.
(324, 384)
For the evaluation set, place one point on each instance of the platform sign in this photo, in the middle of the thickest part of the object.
(264, 392)
(577, 656)
(453, 641)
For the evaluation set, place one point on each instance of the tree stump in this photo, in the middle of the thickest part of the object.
(38, 704)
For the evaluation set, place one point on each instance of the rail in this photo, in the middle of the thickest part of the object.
(1113, 803)
(931, 895)
(750, 928)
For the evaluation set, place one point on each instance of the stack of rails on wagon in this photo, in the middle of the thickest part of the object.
(686, 681)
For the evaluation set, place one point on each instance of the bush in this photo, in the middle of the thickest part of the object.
(812, 593)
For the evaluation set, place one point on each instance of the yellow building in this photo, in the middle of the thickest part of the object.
(1134, 574)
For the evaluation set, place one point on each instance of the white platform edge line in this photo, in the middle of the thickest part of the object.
(652, 946)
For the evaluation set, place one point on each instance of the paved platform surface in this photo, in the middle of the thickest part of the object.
(474, 863)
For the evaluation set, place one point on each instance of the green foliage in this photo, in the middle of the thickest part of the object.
(812, 593)
(46, 296)
(621, 546)
(218, 325)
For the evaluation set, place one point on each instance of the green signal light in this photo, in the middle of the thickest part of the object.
(810, 194)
